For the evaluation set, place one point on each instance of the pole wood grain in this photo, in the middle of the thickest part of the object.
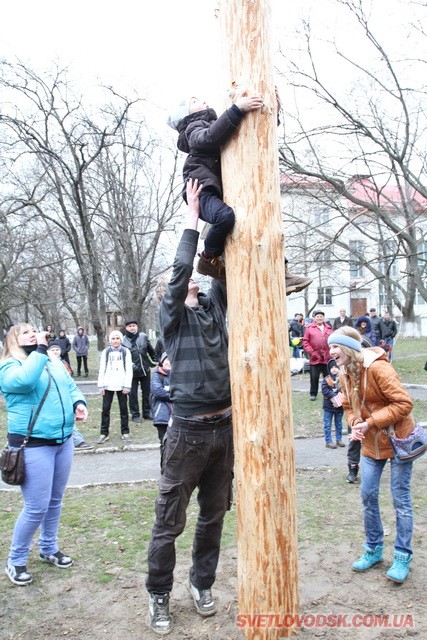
(259, 348)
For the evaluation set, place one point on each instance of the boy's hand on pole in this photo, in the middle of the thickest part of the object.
(249, 103)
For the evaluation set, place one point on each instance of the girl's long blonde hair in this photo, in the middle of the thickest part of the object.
(11, 347)
(351, 372)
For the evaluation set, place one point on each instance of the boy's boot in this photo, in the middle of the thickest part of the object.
(399, 570)
(211, 266)
(352, 473)
(369, 559)
(295, 283)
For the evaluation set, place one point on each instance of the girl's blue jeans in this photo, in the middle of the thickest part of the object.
(401, 494)
(46, 474)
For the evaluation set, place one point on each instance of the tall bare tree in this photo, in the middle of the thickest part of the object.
(376, 128)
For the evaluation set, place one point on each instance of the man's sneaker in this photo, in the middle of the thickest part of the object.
(83, 446)
(18, 575)
(213, 267)
(295, 283)
(126, 437)
(160, 620)
(102, 439)
(58, 559)
(136, 419)
(205, 604)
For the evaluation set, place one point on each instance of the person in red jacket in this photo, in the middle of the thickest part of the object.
(315, 344)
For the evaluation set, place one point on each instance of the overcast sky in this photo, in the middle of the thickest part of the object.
(164, 47)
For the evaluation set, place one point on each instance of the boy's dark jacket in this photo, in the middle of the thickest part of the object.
(330, 388)
(160, 398)
(201, 135)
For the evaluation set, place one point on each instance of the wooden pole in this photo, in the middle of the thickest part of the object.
(259, 347)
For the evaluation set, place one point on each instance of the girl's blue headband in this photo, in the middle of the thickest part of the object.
(345, 341)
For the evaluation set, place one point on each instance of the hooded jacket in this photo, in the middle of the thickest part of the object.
(201, 135)
(160, 397)
(384, 402)
(81, 343)
(23, 384)
(368, 331)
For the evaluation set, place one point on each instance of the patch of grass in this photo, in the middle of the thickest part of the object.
(141, 433)
(107, 529)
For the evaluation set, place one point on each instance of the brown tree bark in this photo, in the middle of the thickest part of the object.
(259, 349)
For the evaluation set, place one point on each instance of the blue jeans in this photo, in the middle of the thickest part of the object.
(328, 417)
(220, 216)
(196, 454)
(46, 474)
(77, 437)
(401, 493)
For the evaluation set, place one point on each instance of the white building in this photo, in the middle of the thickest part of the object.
(346, 248)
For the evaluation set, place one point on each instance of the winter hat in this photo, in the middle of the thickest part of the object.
(318, 312)
(54, 343)
(115, 334)
(179, 113)
(332, 363)
(366, 342)
(344, 341)
(163, 357)
(130, 322)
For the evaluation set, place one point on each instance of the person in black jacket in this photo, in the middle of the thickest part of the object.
(143, 357)
(342, 321)
(65, 346)
(388, 331)
(201, 135)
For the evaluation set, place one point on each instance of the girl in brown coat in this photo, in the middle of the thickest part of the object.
(374, 399)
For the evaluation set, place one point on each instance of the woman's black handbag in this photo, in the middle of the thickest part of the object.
(12, 462)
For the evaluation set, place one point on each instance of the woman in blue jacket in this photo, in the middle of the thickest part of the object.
(24, 378)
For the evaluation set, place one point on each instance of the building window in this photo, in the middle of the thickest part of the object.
(321, 216)
(357, 249)
(324, 295)
(418, 298)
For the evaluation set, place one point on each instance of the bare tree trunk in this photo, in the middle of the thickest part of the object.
(259, 351)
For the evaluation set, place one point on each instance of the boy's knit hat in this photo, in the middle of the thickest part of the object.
(115, 334)
(179, 113)
(163, 357)
(54, 343)
(332, 363)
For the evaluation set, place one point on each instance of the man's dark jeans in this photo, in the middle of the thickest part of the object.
(144, 382)
(220, 216)
(107, 399)
(79, 364)
(315, 371)
(196, 454)
(353, 451)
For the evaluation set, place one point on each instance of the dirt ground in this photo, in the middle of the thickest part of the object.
(75, 607)
(118, 610)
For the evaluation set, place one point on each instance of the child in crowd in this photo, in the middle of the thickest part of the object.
(160, 400)
(332, 406)
(54, 351)
(201, 135)
(115, 376)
